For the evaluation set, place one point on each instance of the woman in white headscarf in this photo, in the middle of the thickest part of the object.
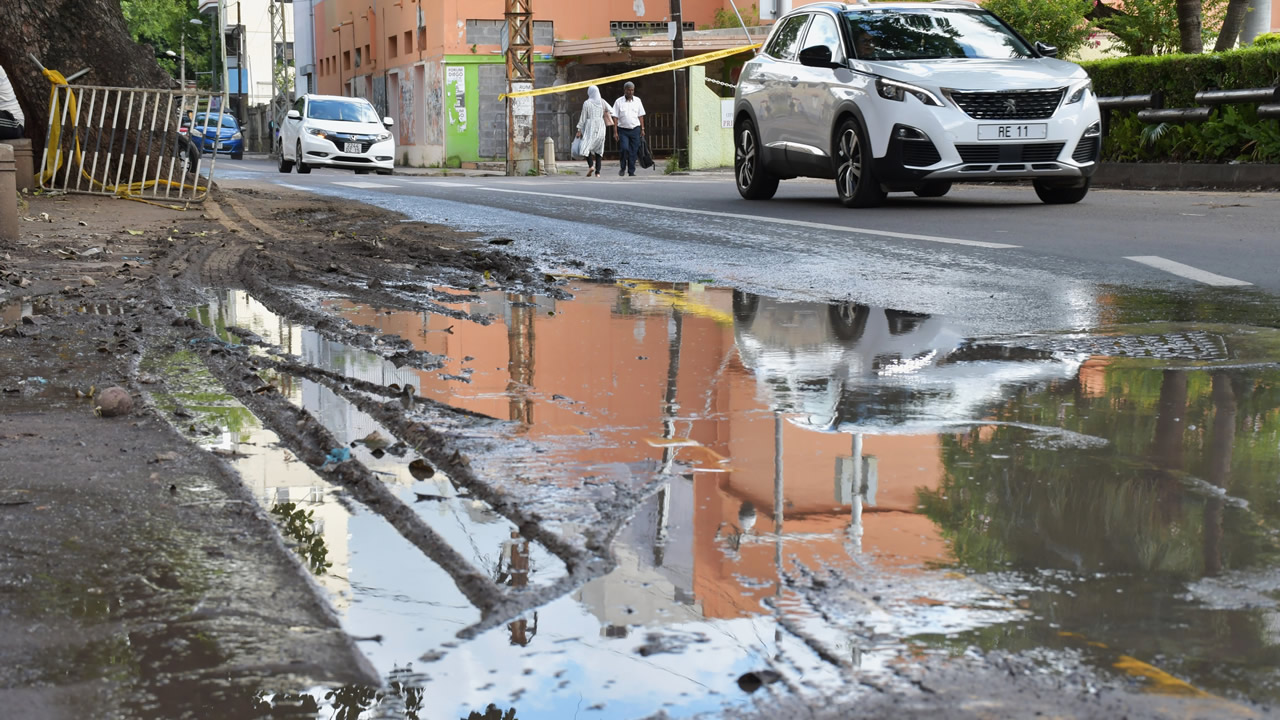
(591, 128)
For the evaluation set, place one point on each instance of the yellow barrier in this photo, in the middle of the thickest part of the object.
(673, 65)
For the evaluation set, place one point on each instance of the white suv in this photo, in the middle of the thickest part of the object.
(896, 97)
(335, 131)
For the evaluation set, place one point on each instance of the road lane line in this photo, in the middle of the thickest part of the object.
(364, 185)
(442, 183)
(1186, 271)
(761, 218)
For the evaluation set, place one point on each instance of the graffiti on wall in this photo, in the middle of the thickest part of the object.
(455, 81)
(408, 118)
(433, 105)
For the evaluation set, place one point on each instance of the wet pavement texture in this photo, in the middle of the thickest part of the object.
(829, 495)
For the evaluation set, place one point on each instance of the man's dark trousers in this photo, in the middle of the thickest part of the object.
(628, 146)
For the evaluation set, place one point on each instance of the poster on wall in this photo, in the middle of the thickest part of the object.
(726, 113)
(455, 82)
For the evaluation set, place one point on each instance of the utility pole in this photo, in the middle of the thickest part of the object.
(522, 121)
(222, 43)
(281, 80)
(679, 82)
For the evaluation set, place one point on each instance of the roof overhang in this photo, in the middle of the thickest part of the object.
(653, 48)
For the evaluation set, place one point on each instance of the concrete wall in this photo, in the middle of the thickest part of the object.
(710, 145)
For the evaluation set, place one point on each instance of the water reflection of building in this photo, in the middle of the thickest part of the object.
(707, 388)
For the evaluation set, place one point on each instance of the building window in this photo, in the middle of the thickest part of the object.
(422, 38)
(284, 53)
(491, 32)
(408, 41)
(358, 57)
(627, 28)
(346, 60)
(392, 49)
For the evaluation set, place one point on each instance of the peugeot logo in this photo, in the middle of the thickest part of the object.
(1011, 105)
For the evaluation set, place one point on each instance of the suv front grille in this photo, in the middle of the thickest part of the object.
(341, 139)
(1010, 152)
(1023, 105)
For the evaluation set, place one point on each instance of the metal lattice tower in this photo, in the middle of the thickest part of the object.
(522, 128)
(281, 76)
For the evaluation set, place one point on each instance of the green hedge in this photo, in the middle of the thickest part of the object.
(1232, 133)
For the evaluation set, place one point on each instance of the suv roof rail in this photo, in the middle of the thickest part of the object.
(961, 3)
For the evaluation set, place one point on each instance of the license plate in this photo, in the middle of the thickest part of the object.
(1034, 131)
(351, 148)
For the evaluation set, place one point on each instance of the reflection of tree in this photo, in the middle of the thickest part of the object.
(492, 713)
(1008, 498)
(299, 525)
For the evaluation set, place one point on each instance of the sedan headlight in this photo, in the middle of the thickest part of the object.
(382, 137)
(894, 90)
(1078, 93)
(317, 132)
(237, 135)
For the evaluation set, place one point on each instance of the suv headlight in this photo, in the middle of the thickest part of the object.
(382, 137)
(894, 90)
(1078, 93)
(317, 132)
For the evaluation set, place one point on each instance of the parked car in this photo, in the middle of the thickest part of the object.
(911, 97)
(217, 133)
(335, 131)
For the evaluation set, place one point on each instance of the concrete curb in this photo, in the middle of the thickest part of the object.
(1179, 176)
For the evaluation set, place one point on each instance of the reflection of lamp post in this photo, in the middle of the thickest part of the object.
(338, 29)
(182, 77)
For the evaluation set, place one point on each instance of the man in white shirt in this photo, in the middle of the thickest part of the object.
(11, 119)
(628, 128)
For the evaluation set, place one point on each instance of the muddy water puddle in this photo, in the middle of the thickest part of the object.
(831, 491)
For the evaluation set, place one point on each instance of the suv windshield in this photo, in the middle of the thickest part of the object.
(346, 110)
(929, 33)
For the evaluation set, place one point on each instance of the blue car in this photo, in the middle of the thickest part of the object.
(210, 138)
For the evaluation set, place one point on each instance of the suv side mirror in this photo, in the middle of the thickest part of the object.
(388, 122)
(1046, 50)
(817, 56)
(293, 115)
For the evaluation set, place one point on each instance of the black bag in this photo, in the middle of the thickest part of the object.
(644, 158)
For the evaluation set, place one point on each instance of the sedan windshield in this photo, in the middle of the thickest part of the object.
(345, 110)
(227, 120)
(930, 33)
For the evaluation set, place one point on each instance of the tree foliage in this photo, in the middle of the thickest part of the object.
(1061, 24)
(161, 25)
(1150, 27)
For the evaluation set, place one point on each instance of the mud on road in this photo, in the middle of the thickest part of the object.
(140, 578)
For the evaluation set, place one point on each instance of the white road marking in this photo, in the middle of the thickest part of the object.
(443, 183)
(763, 219)
(364, 185)
(1186, 271)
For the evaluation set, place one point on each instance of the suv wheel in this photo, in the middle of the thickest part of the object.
(754, 182)
(855, 180)
(1061, 194)
(937, 188)
(303, 168)
(283, 164)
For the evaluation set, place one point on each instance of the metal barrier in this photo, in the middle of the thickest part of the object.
(1150, 107)
(128, 142)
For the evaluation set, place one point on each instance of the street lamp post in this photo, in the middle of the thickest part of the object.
(182, 69)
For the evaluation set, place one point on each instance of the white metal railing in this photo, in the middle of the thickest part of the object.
(128, 142)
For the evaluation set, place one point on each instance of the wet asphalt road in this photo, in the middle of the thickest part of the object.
(992, 255)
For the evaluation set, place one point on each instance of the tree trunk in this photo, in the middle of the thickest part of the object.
(68, 36)
(1231, 25)
(1190, 26)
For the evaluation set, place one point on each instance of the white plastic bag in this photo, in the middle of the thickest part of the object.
(575, 150)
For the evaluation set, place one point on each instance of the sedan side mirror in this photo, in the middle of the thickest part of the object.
(1046, 50)
(817, 56)
(388, 122)
(293, 115)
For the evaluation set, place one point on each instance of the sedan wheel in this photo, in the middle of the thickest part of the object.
(855, 179)
(754, 182)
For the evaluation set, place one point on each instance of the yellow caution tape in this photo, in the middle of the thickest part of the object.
(673, 65)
